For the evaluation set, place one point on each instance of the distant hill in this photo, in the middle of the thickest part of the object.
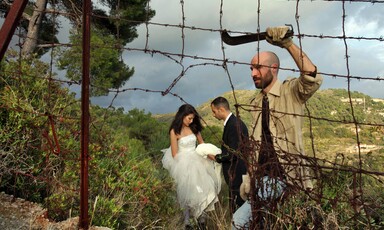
(243, 97)
(332, 121)
(326, 104)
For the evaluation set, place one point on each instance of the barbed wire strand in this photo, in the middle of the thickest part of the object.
(318, 164)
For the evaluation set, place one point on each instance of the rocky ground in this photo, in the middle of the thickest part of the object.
(18, 214)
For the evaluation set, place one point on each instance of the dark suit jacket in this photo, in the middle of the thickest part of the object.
(235, 131)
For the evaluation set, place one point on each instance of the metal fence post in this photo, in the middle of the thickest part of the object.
(85, 118)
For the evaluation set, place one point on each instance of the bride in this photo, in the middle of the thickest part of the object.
(196, 182)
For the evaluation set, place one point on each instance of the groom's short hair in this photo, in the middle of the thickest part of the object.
(221, 102)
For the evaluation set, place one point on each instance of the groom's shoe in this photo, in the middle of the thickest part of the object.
(202, 226)
(188, 227)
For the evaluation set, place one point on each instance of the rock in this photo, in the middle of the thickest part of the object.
(20, 214)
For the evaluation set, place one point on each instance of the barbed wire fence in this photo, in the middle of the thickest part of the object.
(351, 199)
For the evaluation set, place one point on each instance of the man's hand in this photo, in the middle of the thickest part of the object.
(276, 36)
(245, 187)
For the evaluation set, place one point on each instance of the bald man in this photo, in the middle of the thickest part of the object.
(280, 137)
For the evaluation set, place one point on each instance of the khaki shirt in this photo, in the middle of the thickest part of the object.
(286, 103)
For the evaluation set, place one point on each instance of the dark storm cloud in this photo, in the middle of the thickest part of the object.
(205, 79)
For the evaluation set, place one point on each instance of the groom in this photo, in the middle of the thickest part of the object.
(234, 133)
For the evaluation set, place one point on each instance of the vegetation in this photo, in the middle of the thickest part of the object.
(40, 148)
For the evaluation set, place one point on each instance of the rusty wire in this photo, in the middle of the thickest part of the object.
(318, 164)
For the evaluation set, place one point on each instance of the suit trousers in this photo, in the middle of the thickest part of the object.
(233, 173)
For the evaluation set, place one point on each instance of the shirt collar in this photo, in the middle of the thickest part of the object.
(226, 119)
(275, 90)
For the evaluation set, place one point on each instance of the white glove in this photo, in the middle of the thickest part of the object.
(275, 36)
(245, 187)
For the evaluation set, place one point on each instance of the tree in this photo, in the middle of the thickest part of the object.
(107, 70)
(116, 25)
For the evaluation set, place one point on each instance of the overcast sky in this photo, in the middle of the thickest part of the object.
(205, 79)
(201, 83)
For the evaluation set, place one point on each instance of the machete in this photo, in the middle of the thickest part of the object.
(242, 39)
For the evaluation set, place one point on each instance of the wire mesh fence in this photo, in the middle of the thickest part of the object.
(156, 55)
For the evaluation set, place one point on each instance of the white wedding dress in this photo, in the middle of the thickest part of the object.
(195, 177)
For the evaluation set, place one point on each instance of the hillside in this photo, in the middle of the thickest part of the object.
(332, 121)
(243, 97)
(325, 104)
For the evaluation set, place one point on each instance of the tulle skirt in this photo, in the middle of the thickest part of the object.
(196, 181)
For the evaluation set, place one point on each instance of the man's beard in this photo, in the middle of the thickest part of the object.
(265, 81)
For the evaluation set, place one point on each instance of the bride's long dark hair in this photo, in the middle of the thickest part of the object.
(184, 111)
